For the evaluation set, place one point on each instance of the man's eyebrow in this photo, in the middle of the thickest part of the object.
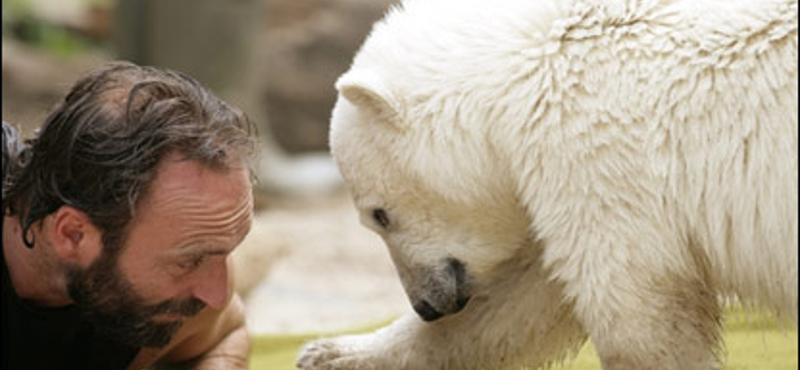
(203, 248)
(215, 252)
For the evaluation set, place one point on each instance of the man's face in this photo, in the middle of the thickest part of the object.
(174, 261)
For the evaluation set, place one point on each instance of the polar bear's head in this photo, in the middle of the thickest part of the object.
(431, 186)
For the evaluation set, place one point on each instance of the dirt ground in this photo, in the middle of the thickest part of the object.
(322, 271)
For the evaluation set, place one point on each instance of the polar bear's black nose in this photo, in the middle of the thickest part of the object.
(461, 302)
(426, 311)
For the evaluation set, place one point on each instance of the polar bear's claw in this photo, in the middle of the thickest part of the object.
(325, 354)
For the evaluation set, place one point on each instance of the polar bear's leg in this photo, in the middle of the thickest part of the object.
(674, 330)
(521, 319)
(645, 301)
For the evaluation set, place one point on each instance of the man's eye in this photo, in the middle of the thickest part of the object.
(194, 262)
(379, 215)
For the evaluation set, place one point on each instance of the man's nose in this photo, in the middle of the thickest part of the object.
(212, 285)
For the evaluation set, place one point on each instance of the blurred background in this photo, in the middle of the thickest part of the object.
(308, 266)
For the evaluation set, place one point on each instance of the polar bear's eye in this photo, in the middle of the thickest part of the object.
(380, 217)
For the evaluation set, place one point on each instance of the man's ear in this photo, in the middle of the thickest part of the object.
(367, 90)
(73, 236)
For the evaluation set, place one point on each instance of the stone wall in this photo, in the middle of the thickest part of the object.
(307, 45)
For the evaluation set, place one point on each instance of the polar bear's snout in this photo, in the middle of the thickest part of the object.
(444, 292)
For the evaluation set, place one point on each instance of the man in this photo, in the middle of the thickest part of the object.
(119, 218)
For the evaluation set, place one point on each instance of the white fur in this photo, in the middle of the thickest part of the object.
(606, 169)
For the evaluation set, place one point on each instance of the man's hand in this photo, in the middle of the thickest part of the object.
(222, 343)
(231, 353)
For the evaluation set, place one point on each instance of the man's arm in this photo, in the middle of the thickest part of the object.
(221, 343)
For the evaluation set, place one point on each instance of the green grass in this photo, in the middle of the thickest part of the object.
(752, 342)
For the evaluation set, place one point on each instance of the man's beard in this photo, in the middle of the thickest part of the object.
(107, 300)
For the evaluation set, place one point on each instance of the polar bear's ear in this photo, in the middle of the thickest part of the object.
(366, 90)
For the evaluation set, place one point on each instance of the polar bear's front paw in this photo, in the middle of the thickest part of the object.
(318, 355)
(330, 354)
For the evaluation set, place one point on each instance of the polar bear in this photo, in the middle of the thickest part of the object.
(545, 172)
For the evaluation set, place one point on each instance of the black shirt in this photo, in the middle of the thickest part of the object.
(50, 338)
(54, 338)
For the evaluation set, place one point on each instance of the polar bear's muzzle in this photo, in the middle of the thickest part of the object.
(443, 292)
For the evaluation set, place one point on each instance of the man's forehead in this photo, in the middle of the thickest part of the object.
(176, 172)
(186, 190)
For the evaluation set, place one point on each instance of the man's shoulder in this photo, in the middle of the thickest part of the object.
(11, 145)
